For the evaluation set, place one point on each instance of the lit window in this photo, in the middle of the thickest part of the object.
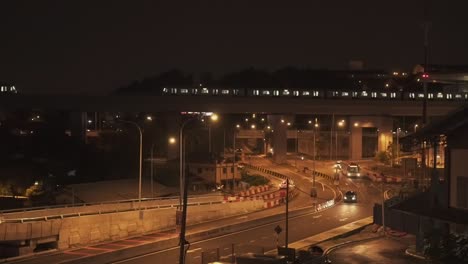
(296, 93)
(421, 95)
(412, 95)
(345, 94)
(184, 91)
(173, 90)
(316, 93)
(458, 96)
(392, 95)
(225, 92)
(256, 92)
(448, 96)
(265, 92)
(194, 91)
(205, 91)
(235, 91)
(165, 90)
(374, 94)
(430, 95)
(364, 94)
(354, 94)
(276, 93)
(215, 91)
(285, 92)
(383, 95)
(440, 95)
(305, 93)
(335, 93)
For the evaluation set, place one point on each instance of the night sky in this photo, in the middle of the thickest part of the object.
(94, 47)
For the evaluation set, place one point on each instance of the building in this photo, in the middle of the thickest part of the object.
(442, 207)
(214, 171)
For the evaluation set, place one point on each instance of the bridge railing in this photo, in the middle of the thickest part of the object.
(136, 207)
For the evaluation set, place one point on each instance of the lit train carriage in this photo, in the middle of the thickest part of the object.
(338, 94)
(311, 93)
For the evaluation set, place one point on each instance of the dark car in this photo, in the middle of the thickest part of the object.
(350, 197)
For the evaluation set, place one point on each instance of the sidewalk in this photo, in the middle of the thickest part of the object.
(360, 242)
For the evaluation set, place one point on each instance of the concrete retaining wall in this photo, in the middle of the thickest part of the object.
(75, 231)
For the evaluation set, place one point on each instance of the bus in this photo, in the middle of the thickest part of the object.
(353, 170)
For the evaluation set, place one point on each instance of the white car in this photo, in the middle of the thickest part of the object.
(284, 184)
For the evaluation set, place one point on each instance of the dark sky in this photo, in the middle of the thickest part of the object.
(97, 46)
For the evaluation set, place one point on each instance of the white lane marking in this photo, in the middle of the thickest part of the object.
(343, 219)
(193, 250)
(242, 217)
(316, 216)
(251, 241)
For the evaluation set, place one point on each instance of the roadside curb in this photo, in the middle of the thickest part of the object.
(409, 252)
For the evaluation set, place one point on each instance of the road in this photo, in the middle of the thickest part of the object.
(259, 236)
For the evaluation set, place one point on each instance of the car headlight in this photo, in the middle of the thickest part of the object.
(354, 198)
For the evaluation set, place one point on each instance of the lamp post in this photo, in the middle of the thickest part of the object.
(316, 125)
(184, 188)
(340, 124)
(172, 140)
(141, 151)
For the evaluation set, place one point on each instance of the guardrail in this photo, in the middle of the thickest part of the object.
(99, 212)
(76, 205)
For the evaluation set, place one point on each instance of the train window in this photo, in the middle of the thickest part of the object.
(184, 91)
(466, 96)
(305, 93)
(173, 90)
(316, 93)
(448, 96)
(393, 95)
(256, 92)
(430, 96)
(364, 94)
(411, 95)
(285, 92)
(383, 95)
(440, 96)
(215, 91)
(420, 96)
(225, 92)
(235, 91)
(205, 91)
(355, 94)
(265, 92)
(194, 91)
(458, 96)
(374, 94)
(276, 93)
(296, 93)
(165, 90)
(344, 94)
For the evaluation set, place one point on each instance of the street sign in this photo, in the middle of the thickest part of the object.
(278, 229)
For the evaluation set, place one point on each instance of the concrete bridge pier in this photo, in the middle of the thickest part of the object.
(280, 137)
(78, 123)
(384, 127)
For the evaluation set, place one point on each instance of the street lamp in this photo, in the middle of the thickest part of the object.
(141, 151)
(184, 187)
(415, 127)
(172, 141)
(316, 125)
(340, 124)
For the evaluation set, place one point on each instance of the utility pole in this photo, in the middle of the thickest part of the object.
(287, 213)
(425, 77)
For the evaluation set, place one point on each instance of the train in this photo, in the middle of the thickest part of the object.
(317, 93)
